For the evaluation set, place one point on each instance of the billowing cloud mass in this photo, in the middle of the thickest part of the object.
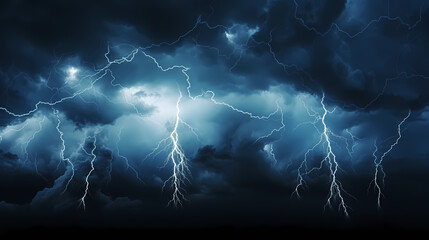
(160, 114)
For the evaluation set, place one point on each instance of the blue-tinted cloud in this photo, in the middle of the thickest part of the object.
(129, 107)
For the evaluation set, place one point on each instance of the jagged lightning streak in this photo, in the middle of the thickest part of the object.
(335, 189)
(63, 149)
(275, 130)
(125, 158)
(378, 164)
(179, 160)
(184, 71)
(95, 77)
(94, 157)
(211, 93)
(32, 137)
(375, 180)
(54, 103)
(303, 167)
(269, 148)
(353, 139)
(156, 150)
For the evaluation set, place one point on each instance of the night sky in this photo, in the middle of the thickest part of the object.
(280, 116)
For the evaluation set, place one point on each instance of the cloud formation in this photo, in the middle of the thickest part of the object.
(99, 100)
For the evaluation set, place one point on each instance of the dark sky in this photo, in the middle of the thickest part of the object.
(287, 115)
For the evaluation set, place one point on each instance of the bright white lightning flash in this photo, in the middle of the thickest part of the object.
(179, 160)
(230, 37)
(71, 73)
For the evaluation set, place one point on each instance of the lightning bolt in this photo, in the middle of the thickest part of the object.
(94, 157)
(335, 190)
(179, 160)
(353, 139)
(379, 171)
(63, 149)
(275, 130)
(125, 158)
(269, 148)
(27, 143)
(53, 103)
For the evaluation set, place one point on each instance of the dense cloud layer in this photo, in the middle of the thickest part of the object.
(93, 95)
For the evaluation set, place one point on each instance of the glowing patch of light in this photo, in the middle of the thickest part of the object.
(230, 37)
(71, 73)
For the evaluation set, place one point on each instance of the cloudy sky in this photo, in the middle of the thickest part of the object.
(201, 114)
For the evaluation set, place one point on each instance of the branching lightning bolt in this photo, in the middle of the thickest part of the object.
(379, 171)
(32, 137)
(63, 149)
(179, 160)
(335, 189)
(53, 103)
(125, 158)
(94, 157)
(275, 130)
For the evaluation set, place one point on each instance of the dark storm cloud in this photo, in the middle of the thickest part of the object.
(80, 27)
(231, 171)
(357, 67)
(54, 31)
(352, 70)
(18, 185)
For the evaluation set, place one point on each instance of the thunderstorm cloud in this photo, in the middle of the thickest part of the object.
(160, 114)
